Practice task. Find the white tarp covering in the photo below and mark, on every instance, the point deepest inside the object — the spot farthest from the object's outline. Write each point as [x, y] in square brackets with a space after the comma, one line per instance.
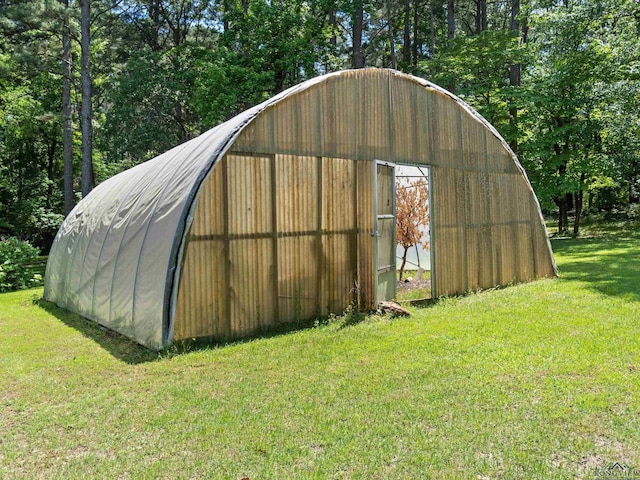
[114, 257]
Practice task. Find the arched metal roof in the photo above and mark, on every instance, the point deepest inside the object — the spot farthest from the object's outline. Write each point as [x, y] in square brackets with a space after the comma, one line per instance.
[114, 258]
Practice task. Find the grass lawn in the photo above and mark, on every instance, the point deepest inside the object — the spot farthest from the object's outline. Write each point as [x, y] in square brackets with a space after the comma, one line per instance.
[536, 381]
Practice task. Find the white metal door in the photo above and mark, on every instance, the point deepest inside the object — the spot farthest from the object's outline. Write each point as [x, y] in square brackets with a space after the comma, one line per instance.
[384, 205]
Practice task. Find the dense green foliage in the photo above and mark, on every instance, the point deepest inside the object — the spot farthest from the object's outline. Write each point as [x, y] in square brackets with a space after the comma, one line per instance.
[536, 381]
[16, 258]
[560, 79]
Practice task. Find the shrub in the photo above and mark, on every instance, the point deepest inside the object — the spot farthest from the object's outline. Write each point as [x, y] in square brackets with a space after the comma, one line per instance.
[15, 259]
[634, 211]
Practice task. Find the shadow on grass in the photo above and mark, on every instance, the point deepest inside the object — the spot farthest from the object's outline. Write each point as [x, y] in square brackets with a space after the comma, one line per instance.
[608, 265]
[133, 353]
[206, 343]
[117, 345]
[349, 318]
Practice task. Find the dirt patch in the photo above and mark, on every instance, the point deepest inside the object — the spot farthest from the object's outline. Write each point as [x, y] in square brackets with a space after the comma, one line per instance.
[405, 286]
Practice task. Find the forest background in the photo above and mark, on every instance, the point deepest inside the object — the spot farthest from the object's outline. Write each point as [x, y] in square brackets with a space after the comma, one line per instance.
[89, 88]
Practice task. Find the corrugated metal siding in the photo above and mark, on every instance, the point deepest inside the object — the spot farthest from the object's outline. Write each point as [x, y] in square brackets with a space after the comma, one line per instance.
[299, 244]
[304, 267]
[310, 155]
[340, 223]
[114, 258]
[202, 304]
[366, 274]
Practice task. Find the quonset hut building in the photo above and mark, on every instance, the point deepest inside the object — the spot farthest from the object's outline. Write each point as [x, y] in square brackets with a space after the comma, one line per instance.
[287, 212]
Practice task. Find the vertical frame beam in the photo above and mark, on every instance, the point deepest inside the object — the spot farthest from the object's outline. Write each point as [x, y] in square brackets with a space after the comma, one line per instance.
[319, 248]
[376, 233]
[353, 242]
[432, 253]
[274, 237]
[226, 316]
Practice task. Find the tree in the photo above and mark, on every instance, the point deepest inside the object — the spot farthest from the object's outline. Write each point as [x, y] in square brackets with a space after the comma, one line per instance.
[581, 50]
[515, 71]
[357, 27]
[87, 113]
[412, 215]
[67, 120]
[30, 133]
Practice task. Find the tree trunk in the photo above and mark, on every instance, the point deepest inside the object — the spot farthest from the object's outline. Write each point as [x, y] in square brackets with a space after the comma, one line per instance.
[514, 74]
[152, 34]
[414, 44]
[451, 31]
[406, 37]
[278, 81]
[634, 193]
[358, 24]
[481, 16]
[578, 205]
[451, 21]
[225, 16]
[432, 30]
[333, 23]
[67, 122]
[392, 42]
[404, 261]
[562, 214]
[85, 83]
[51, 162]
[514, 70]
[180, 120]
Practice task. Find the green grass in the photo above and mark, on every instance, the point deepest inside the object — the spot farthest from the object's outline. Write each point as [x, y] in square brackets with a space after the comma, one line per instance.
[536, 381]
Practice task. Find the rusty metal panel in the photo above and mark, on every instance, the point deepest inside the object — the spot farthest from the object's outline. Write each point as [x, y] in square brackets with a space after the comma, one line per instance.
[524, 253]
[449, 266]
[407, 138]
[374, 134]
[339, 221]
[249, 195]
[251, 262]
[296, 193]
[499, 159]
[446, 131]
[447, 215]
[201, 299]
[477, 184]
[479, 258]
[365, 246]
[482, 213]
[298, 228]
[504, 253]
[474, 138]
[338, 281]
[473, 237]
[251, 286]
[298, 296]
[337, 194]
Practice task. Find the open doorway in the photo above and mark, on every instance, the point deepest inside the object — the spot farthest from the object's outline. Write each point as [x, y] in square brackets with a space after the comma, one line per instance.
[413, 233]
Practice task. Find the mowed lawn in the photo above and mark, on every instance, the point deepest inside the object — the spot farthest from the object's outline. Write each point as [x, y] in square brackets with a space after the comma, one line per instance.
[535, 381]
